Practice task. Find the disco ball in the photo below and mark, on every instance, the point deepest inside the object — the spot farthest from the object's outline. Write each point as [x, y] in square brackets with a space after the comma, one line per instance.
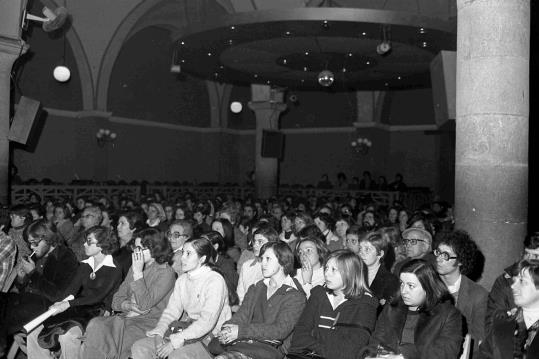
[326, 78]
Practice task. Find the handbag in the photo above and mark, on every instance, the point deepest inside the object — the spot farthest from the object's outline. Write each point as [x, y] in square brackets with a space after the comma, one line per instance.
[254, 348]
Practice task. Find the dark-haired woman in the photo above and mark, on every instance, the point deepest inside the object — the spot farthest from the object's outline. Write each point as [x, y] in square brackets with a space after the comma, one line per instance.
[128, 224]
[225, 228]
[225, 264]
[338, 319]
[269, 311]
[95, 282]
[200, 294]
[62, 220]
[423, 323]
[141, 299]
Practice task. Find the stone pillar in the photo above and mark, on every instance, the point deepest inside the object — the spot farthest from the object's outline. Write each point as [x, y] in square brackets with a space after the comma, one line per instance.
[267, 104]
[491, 159]
[10, 50]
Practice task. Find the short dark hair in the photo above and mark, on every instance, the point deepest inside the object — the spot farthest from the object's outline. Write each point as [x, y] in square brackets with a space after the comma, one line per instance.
[227, 229]
[357, 230]
[44, 230]
[327, 219]
[465, 248]
[532, 267]
[135, 220]
[157, 243]
[106, 239]
[63, 206]
[267, 232]
[284, 255]
[531, 241]
[21, 210]
[311, 231]
[435, 289]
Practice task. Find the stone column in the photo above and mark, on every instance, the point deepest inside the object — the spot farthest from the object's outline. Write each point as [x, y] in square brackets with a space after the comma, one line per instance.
[267, 104]
[10, 50]
[491, 160]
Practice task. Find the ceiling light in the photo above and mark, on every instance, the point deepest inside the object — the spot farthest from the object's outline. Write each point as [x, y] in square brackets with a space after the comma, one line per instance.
[364, 33]
[326, 78]
[232, 28]
[422, 30]
[236, 107]
[209, 53]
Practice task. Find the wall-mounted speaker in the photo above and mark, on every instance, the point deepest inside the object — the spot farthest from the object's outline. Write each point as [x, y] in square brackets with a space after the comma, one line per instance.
[443, 76]
[272, 144]
[24, 119]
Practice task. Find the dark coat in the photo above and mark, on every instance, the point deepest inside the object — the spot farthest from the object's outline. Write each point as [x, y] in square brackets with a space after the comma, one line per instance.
[499, 343]
[500, 297]
[472, 303]
[438, 334]
[334, 333]
[385, 285]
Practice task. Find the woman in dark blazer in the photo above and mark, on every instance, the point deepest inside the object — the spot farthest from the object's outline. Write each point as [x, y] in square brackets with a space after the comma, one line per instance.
[423, 323]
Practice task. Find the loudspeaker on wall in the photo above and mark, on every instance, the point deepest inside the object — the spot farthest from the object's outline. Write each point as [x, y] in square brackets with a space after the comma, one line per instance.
[272, 144]
[24, 120]
[443, 76]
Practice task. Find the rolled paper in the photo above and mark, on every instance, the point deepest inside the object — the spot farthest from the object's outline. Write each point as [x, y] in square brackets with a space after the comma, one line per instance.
[40, 319]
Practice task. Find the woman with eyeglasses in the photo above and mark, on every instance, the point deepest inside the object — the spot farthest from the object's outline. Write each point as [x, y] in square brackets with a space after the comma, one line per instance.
[312, 253]
[340, 317]
[139, 302]
[372, 251]
[93, 286]
[422, 322]
[199, 300]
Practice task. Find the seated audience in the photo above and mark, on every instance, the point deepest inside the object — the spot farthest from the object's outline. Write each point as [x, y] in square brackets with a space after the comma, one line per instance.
[251, 271]
[501, 295]
[354, 235]
[370, 220]
[128, 224]
[397, 248]
[326, 225]
[41, 280]
[301, 221]
[418, 243]
[93, 286]
[372, 251]
[403, 220]
[341, 226]
[225, 228]
[513, 332]
[422, 323]
[139, 301]
[339, 318]
[455, 256]
[179, 231]
[312, 253]
[200, 215]
[199, 300]
[269, 312]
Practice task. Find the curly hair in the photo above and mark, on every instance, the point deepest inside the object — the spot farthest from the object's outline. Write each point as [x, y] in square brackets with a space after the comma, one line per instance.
[106, 239]
[157, 243]
[44, 230]
[465, 248]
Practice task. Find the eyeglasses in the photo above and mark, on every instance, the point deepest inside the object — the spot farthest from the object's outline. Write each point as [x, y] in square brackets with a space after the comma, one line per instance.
[413, 241]
[176, 235]
[444, 255]
[89, 242]
[35, 243]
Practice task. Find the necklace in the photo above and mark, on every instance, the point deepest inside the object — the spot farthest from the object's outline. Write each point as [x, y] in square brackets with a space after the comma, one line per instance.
[92, 276]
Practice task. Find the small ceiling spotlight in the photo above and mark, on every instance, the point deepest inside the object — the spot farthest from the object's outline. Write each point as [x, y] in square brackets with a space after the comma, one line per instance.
[61, 73]
[326, 78]
[422, 30]
[325, 24]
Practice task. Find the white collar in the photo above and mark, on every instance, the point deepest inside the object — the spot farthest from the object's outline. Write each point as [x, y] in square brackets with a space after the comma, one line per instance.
[108, 262]
[332, 300]
[530, 316]
[155, 223]
[455, 287]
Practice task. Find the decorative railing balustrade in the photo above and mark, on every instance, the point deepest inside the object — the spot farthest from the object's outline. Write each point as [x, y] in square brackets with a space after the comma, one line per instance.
[21, 193]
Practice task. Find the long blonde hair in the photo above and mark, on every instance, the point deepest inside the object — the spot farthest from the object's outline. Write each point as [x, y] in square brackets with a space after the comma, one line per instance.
[353, 272]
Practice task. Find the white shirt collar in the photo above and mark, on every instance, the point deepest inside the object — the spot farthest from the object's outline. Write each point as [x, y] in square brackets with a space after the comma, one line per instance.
[288, 281]
[455, 287]
[530, 316]
[108, 262]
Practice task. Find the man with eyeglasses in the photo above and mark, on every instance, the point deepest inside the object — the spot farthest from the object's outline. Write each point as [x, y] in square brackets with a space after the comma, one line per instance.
[178, 233]
[456, 255]
[501, 295]
[418, 244]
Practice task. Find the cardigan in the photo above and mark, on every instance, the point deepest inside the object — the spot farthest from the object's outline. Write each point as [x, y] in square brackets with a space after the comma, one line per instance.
[334, 333]
[501, 295]
[385, 285]
[438, 333]
[202, 295]
[280, 315]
